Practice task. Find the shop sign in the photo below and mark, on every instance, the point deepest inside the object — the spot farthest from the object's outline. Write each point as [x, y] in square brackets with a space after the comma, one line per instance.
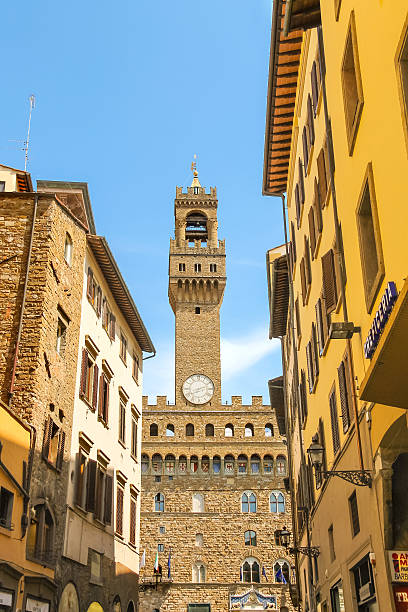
[6, 599]
[380, 319]
[399, 565]
[400, 598]
[34, 605]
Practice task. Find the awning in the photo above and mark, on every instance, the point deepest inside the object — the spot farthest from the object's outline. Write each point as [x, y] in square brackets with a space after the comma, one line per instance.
[278, 402]
[283, 77]
[386, 380]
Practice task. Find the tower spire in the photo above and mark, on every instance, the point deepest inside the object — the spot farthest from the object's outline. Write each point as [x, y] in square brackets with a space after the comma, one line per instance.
[196, 182]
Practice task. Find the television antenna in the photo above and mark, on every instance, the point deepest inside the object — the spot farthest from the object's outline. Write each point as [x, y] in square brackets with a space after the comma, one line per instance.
[27, 142]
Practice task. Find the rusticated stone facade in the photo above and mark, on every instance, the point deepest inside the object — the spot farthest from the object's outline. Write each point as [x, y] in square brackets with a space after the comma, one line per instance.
[44, 380]
[213, 475]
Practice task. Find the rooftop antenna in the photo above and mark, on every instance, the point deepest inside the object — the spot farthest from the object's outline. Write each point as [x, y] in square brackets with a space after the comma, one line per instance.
[27, 142]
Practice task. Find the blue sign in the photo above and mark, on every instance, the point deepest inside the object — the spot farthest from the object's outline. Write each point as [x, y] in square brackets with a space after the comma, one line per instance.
[380, 319]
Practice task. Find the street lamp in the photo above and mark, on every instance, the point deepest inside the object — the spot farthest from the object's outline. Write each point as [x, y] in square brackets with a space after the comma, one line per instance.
[361, 478]
[309, 551]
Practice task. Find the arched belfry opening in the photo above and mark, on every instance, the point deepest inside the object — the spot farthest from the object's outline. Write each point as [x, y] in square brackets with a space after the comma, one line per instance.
[196, 227]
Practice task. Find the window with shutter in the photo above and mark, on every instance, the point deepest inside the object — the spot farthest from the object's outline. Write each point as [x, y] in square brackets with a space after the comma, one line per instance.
[305, 147]
[112, 327]
[103, 406]
[308, 264]
[318, 210]
[47, 437]
[315, 353]
[297, 203]
[84, 372]
[329, 281]
[100, 493]
[297, 315]
[119, 510]
[322, 440]
[319, 325]
[344, 389]
[303, 280]
[95, 387]
[99, 302]
[61, 448]
[81, 460]
[304, 394]
[322, 177]
[334, 421]
[293, 240]
[351, 84]
[132, 530]
[310, 122]
[315, 88]
[89, 284]
[91, 486]
[108, 499]
[310, 371]
[355, 521]
[301, 182]
[312, 230]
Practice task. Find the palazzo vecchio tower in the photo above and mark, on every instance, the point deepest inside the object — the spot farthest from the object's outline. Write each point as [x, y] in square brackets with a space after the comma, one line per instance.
[213, 474]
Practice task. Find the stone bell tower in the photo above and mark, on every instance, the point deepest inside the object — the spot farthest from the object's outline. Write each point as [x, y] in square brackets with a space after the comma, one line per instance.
[196, 287]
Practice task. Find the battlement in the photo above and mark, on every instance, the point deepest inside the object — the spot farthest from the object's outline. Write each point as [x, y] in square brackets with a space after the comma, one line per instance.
[182, 195]
[188, 247]
[236, 402]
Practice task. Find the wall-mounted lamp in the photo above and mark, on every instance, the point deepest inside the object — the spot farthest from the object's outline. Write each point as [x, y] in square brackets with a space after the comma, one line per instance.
[309, 551]
[361, 478]
[341, 330]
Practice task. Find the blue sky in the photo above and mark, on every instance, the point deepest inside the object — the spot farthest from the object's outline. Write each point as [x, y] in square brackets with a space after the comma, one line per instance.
[126, 93]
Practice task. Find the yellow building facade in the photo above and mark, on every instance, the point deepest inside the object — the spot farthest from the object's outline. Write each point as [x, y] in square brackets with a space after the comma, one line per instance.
[23, 583]
[336, 151]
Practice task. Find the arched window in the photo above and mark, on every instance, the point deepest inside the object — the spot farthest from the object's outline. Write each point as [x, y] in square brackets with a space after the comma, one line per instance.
[249, 430]
[229, 464]
[170, 430]
[199, 572]
[159, 502]
[277, 502]
[268, 464]
[40, 542]
[68, 249]
[154, 430]
[205, 464]
[250, 570]
[255, 464]
[170, 464]
[242, 464]
[280, 465]
[216, 464]
[248, 502]
[199, 539]
[157, 464]
[182, 466]
[145, 464]
[116, 604]
[250, 538]
[190, 429]
[281, 571]
[229, 430]
[209, 430]
[198, 502]
[269, 430]
[193, 464]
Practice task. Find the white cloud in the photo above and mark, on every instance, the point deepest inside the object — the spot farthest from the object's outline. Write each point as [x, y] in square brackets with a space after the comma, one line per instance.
[243, 352]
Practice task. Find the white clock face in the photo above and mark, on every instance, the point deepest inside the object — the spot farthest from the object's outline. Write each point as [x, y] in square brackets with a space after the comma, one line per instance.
[198, 389]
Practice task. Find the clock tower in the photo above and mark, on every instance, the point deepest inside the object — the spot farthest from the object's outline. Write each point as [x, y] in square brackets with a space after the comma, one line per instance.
[196, 287]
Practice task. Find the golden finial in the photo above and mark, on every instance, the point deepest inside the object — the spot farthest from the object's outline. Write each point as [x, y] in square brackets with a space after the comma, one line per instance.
[194, 166]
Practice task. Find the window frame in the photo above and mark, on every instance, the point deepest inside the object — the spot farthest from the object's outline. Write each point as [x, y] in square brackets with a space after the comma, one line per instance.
[351, 123]
[368, 189]
[402, 83]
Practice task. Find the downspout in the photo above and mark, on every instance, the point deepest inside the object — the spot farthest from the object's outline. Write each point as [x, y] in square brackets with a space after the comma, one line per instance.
[20, 323]
[296, 380]
[339, 241]
[150, 356]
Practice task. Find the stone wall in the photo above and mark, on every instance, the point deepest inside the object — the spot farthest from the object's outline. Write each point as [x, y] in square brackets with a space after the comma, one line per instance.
[222, 523]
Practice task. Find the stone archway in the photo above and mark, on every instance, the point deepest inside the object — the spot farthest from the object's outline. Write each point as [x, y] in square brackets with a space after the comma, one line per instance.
[69, 601]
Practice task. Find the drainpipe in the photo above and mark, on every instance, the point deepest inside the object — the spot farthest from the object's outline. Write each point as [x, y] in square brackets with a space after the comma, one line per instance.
[150, 356]
[339, 241]
[312, 601]
[20, 323]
